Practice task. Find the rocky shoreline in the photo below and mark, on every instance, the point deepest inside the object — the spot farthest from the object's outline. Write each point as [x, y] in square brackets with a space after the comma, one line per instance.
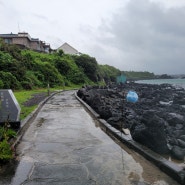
[157, 120]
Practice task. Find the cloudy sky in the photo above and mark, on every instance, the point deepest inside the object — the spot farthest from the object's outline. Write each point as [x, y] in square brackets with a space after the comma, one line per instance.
[138, 35]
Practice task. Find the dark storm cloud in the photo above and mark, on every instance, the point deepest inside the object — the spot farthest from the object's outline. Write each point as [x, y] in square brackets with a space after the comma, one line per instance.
[148, 36]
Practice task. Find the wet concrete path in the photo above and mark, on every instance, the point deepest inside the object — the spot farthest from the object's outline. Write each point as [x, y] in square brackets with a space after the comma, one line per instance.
[64, 146]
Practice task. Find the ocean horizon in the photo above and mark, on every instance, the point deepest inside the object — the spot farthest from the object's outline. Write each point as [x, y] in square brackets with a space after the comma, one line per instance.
[175, 82]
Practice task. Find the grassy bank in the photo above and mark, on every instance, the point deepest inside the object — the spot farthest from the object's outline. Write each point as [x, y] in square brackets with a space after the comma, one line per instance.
[24, 96]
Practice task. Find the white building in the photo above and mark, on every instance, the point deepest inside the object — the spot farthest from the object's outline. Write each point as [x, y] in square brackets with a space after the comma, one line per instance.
[67, 49]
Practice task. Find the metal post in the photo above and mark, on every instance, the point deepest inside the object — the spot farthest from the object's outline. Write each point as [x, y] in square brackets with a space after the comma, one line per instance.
[48, 90]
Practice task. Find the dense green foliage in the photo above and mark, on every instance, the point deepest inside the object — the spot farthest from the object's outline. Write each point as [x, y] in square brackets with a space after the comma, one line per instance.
[6, 153]
[89, 66]
[109, 73]
[26, 69]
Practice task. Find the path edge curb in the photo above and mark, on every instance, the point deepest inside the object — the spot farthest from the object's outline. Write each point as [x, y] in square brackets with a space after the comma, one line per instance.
[170, 168]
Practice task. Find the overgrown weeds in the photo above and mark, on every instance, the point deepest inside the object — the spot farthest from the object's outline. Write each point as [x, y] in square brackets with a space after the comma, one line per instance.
[6, 151]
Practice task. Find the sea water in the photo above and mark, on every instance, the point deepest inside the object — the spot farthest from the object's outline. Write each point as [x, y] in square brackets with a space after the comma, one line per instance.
[175, 82]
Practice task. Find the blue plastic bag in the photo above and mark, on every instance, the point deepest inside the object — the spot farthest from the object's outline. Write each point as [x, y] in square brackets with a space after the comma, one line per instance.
[132, 97]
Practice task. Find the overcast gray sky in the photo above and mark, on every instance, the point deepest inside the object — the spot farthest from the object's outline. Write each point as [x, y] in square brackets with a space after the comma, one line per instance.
[138, 35]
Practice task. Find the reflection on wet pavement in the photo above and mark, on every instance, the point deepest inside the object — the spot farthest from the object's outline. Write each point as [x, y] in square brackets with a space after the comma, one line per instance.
[63, 146]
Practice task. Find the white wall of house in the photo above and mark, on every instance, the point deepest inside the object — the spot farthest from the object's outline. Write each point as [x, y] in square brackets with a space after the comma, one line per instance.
[67, 49]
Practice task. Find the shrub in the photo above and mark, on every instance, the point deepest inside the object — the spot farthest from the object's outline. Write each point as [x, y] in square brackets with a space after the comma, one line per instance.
[1, 84]
[6, 133]
[9, 80]
[5, 151]
[30, 80]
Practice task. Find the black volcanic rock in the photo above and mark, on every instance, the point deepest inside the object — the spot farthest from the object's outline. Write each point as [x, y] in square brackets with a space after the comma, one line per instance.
[152, 133]
[157, 120]
[178, 152]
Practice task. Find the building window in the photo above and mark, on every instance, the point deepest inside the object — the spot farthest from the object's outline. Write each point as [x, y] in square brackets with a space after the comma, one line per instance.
[8, 41]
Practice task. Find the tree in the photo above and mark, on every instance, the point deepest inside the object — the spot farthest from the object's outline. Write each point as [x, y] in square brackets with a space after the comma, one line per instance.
[89, 65]
[108, 73]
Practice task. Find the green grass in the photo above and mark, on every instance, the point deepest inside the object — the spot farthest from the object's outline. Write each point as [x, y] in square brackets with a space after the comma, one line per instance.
[23, 96]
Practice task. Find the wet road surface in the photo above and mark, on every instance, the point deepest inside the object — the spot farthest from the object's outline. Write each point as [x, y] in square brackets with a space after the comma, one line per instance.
[64, 146]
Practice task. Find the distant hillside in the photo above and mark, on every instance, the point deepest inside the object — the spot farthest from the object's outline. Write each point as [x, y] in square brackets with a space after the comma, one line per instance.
[133, 75]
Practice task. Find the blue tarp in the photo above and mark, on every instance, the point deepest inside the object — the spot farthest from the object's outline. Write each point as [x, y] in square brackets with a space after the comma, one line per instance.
[121, 79]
